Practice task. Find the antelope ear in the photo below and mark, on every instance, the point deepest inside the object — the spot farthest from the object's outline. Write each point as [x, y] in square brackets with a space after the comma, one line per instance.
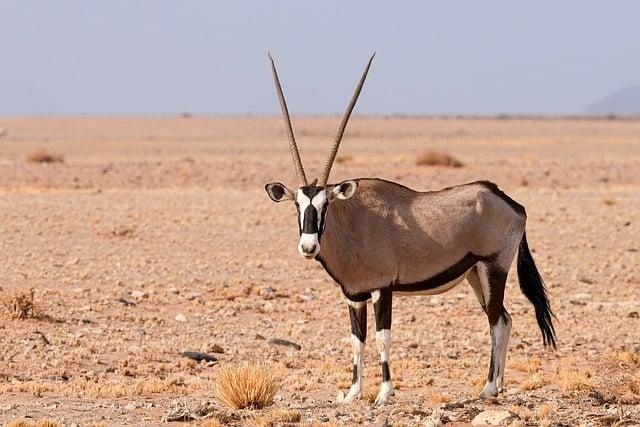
[279, 192]
[345, 190]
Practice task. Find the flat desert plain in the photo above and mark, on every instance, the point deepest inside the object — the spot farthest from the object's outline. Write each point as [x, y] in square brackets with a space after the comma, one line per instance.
[154, 236]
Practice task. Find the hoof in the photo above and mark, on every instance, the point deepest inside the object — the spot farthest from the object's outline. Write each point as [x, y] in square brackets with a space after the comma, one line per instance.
[386, 391]
[490, 390]
[350, 397]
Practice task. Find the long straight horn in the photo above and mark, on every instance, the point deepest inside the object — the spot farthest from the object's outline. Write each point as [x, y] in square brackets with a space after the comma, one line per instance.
[297, 162]
[343, 125]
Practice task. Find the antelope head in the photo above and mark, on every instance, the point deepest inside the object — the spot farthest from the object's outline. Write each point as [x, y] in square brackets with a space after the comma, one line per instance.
[312, 199]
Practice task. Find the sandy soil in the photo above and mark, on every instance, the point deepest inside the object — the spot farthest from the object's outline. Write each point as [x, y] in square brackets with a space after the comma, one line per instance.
[148, 219]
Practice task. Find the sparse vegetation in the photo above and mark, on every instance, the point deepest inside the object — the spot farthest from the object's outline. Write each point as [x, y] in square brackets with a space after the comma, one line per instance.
[250, 385]
[43, 156]
[534, 382]
[278, 417]
[19, 305]
[437, 158]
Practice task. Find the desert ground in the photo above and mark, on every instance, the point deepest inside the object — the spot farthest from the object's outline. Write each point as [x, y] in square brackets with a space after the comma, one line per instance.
[154, 236]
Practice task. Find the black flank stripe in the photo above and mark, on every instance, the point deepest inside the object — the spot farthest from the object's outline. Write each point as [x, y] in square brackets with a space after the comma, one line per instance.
[442, 278]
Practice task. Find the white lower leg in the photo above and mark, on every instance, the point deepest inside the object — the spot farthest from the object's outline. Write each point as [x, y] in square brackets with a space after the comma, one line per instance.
[355, 392]
[383, 342]
[499, 340]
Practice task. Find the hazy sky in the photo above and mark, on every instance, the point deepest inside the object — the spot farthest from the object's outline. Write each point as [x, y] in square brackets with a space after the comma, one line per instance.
[205, 57]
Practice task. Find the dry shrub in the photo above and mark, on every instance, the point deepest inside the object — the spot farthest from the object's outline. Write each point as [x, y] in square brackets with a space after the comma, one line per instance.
[534, 382]
[43, 156]
[48, 422]
[629, 357]
[278, 417]
[575, 381]
[18, 304]
[546, 409]
[249, 385]
[618, 381]
[436, 158]
[44, 422]
[211, 422]
[20, 423]
[609, 202]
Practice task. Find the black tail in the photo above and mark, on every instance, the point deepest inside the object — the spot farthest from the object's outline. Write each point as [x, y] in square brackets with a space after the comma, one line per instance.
[533, 288]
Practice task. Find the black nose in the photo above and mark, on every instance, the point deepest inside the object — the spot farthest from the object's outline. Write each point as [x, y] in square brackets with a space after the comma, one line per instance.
[311, 249]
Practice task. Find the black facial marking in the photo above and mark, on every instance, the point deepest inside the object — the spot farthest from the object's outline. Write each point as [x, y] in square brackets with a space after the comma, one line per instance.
[310, 215]
[386, 375]
[311, 191]
[310, 220]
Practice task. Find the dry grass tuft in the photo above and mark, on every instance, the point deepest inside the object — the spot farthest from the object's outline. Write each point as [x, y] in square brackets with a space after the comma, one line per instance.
[575, 381]
[48, 422]
[43, 156]
[44, 422]
[436, 158]
[211, 422]
[629, 357]
[20, 423]
[609, 202]
[19, 305]
[278, 417]
[250, 385]
[534, 382]
[546, 409]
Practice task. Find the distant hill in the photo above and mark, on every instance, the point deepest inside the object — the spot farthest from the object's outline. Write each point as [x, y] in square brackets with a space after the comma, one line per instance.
[623, 102]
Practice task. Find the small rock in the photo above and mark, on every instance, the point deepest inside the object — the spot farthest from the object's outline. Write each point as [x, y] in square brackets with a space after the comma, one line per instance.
[216, 349]
[138, 294]
[280, 341]
[259, 337]
[196, 355]
[192, 295]
[308, 298]
[181, 318]
[174, 290]
[494, 418]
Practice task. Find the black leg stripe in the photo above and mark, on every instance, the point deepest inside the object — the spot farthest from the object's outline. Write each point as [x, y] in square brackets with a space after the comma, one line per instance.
[355, 374]
[386, 374]
[358, 318]
[382, 309]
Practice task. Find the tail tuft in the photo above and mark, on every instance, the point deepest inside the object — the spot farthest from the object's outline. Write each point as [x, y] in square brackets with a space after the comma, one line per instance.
[533, 288]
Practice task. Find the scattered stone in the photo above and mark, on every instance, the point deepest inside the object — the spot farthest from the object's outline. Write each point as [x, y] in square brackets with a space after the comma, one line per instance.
[216, 349]
[139, 294]
[174, 290]
[196, 355]
[126, 303]
[181, 318]
[287, 343]
[308, 298]
[494, 418]
[259, 337]
[192, 295]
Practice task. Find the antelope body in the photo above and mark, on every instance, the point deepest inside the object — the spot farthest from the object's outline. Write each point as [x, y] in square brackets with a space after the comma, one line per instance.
[377, 239]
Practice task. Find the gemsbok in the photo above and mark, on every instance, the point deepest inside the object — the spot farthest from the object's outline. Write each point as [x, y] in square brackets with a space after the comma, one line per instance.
[377, 238]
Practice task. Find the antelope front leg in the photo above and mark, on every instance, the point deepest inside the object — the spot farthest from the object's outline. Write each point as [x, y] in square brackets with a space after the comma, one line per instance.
[358, 315]
[382, 306]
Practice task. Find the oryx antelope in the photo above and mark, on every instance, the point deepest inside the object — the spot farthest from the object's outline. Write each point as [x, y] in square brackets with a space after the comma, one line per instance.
[377, 238]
